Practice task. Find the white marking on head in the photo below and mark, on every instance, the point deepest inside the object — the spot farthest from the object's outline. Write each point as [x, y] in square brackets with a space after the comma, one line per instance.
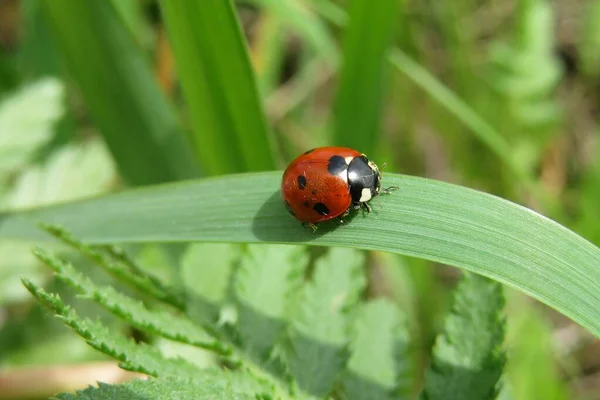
[348, 159]
[365, 195]
[373, 166]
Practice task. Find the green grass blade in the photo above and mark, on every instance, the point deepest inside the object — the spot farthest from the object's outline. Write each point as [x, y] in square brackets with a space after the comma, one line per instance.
[358, 103]
[425, 218]
[230, 129]
[138, 124]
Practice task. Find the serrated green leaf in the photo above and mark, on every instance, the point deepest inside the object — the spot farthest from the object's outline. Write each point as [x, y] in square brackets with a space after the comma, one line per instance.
[120, 92]
[121, 267]
[206, 385]
[267, 276]
[428, 219]
[159, 322]
[358, 103]
[320, 325]
[230, 129]
[133, 357]
[206, 269]
[371, 370]
[467, 357]
[26, 121]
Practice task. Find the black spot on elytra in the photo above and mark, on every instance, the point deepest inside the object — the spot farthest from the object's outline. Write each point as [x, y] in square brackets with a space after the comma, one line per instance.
[321, 208]
[301, 182]
[308, 151]
[337, 165]
[289, 208]
[314, 192]
[306, 204]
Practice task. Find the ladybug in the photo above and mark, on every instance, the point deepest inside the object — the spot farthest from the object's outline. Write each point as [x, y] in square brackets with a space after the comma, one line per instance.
[328, 182]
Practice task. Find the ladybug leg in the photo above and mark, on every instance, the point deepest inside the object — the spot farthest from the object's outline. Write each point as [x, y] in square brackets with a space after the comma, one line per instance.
[390, 189]
[344, 215]
[310, 225]
[366, 207]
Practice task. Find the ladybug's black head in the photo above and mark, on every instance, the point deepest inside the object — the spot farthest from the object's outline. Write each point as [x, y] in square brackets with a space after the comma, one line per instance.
[364, 179]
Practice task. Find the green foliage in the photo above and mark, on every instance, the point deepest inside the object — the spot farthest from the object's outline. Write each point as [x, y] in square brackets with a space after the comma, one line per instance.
[531, 342]
[249, 316]
[210, 386]
[26, 121]
[467, 357]
[320, 323]
[526, 72]
[425, 218]
[590, 40]
[357, 105]
[264, 302]
[230, 131]
[159, 322]
[133, 357]
[149, 145]
[374, 372]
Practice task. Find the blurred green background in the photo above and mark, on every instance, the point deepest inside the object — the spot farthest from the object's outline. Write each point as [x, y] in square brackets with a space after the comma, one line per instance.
[497, 95]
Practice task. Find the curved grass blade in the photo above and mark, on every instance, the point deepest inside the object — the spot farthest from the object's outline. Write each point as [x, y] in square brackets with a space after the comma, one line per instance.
[139, 125]
[230, 129]
[428, 219]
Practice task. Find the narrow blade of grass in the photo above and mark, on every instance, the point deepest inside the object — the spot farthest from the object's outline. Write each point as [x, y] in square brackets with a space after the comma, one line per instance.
[425, 218]
[115, 80]
[357, 107]
[230, 130]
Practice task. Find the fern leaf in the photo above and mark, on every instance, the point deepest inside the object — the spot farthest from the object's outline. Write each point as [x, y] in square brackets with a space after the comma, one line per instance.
[320, 327]
[144, 283]
[206, 385]
[133, 357]
[268, 274]
[467, 356]
[372, 370]
[526, 71]
[158, 322]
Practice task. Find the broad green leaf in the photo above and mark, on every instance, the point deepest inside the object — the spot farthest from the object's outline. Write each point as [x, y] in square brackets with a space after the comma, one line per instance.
[230, 129]
[320, 326]
[371, 370]
[26, 121]
[72, 172]
[428, 219]
[359, 99]
[468, 359]
[267, 277]
[133, 357]
[140, 127]
[205, 386]
[159, 322]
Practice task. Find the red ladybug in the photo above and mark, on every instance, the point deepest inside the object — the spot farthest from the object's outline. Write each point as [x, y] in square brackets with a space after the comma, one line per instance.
[327, 182]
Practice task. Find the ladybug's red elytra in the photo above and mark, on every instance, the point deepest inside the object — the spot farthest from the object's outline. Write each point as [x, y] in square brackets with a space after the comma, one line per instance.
[327, 182]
